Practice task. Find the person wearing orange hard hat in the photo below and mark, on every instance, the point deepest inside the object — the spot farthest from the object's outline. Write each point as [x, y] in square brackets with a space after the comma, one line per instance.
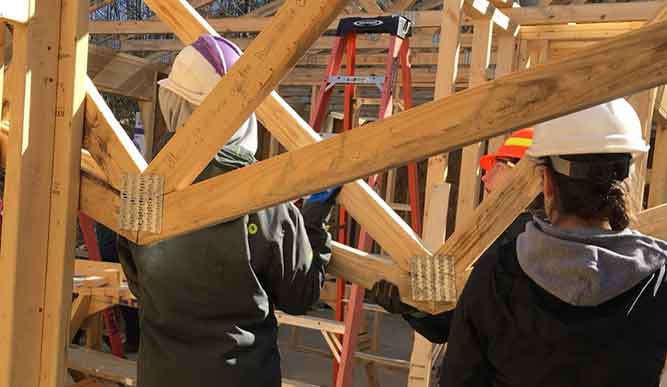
[496, 166]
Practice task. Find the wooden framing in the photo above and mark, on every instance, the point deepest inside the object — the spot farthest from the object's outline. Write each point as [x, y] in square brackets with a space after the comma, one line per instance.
[50, 91]
[43, 171]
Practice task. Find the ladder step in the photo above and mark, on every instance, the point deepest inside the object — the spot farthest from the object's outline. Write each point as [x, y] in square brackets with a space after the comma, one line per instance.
[356, 79]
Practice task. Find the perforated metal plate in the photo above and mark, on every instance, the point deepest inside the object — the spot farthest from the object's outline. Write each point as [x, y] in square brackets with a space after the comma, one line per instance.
[141, 199]
[432, 279]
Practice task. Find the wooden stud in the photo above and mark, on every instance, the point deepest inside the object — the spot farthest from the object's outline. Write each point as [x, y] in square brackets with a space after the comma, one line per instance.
[436, 206]
[66, 154]
[504, 65]
[658, 186]
[27, 198]
[107, 141]
[242, 89]
[469, 181]
[518, 100]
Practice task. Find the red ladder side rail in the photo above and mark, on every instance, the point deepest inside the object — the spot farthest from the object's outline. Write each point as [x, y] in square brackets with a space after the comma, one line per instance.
[413, 173]
[90, 239]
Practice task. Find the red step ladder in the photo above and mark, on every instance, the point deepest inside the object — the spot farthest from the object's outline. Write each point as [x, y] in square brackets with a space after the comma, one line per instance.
[90, 239]
[399, 29]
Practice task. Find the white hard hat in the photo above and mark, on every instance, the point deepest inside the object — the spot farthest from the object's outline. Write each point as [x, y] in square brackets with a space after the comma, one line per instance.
[198, 68]
[612, 127]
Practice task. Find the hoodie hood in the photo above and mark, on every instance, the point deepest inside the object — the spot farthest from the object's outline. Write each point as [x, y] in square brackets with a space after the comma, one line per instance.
[176, 110]
[587, 267]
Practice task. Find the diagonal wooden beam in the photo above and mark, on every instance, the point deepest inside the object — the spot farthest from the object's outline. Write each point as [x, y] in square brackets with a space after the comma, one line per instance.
[366, 269]
[401, 5]
[371, 6]
[270, 56]
[517, 100]
[382, 223]
[107, 141]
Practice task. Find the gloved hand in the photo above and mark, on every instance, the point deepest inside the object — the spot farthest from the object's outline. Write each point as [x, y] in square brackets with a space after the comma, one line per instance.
[387, 295]
[317, 208]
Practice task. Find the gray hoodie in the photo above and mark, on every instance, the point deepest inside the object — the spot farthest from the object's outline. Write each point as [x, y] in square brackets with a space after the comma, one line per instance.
[586, 267]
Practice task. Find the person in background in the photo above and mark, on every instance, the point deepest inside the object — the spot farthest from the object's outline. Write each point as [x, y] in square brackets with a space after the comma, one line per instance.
[208, 297]
[578, 299]
[496, 166]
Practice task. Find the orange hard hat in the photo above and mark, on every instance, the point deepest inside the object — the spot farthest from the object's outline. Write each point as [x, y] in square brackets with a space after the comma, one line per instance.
[514, 147]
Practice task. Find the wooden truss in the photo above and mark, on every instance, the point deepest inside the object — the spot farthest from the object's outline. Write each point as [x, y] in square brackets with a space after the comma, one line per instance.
[43, 169]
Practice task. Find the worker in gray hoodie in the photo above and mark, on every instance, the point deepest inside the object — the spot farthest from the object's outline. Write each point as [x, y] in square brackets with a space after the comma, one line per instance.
[578, 299]
[208, 297]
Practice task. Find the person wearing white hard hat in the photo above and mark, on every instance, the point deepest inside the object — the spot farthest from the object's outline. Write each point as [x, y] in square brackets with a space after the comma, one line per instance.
[578, 298]
[207, 298]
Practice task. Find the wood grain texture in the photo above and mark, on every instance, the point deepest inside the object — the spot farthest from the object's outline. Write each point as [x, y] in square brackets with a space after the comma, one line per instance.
[517, 100]
[107, 141]
[27, 198]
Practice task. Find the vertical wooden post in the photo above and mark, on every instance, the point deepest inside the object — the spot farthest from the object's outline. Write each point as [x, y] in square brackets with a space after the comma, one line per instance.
[658, 186]
[68, 137]
[149, 110]
[23, 258]
[437, 190]
[504, 65]
[469, 181]
[644, 104]
[49, 66]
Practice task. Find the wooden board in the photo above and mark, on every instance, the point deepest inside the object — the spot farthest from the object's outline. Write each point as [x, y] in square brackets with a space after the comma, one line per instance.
[470, 184]
[66, 154]
[251, 79]
[107, 141]
[27, 197]
[517, 100]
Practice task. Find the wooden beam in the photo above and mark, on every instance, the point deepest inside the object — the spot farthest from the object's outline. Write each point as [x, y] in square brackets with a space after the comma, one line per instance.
[518, 100]
[658, 187]
[526, 16]
[586, 13]
[66, 154]
[446, 75]
[366, 269]
[401, 5]
[79, 313]
[588, 31]
[389, 230]
[470, 185]
[121, 74]
[485, 9]
[504, 65]
[371, 6]
[653, 222]
[107, 141]
[491, 218]
[425, 38]
[28, 194]
[15, 11]
[249, 81]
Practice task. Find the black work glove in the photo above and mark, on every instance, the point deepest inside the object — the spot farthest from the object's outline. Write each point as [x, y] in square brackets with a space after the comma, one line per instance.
[387, 295]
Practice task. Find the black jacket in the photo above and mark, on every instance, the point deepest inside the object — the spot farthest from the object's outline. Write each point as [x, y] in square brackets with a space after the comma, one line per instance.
[435, 328]
[507, 331]
[207, 298]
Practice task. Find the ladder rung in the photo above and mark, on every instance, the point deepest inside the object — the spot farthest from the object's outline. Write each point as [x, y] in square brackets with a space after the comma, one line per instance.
[356, 79]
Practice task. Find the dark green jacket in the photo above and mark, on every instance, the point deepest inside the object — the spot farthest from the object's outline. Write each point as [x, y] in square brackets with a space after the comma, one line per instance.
[207, 298]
